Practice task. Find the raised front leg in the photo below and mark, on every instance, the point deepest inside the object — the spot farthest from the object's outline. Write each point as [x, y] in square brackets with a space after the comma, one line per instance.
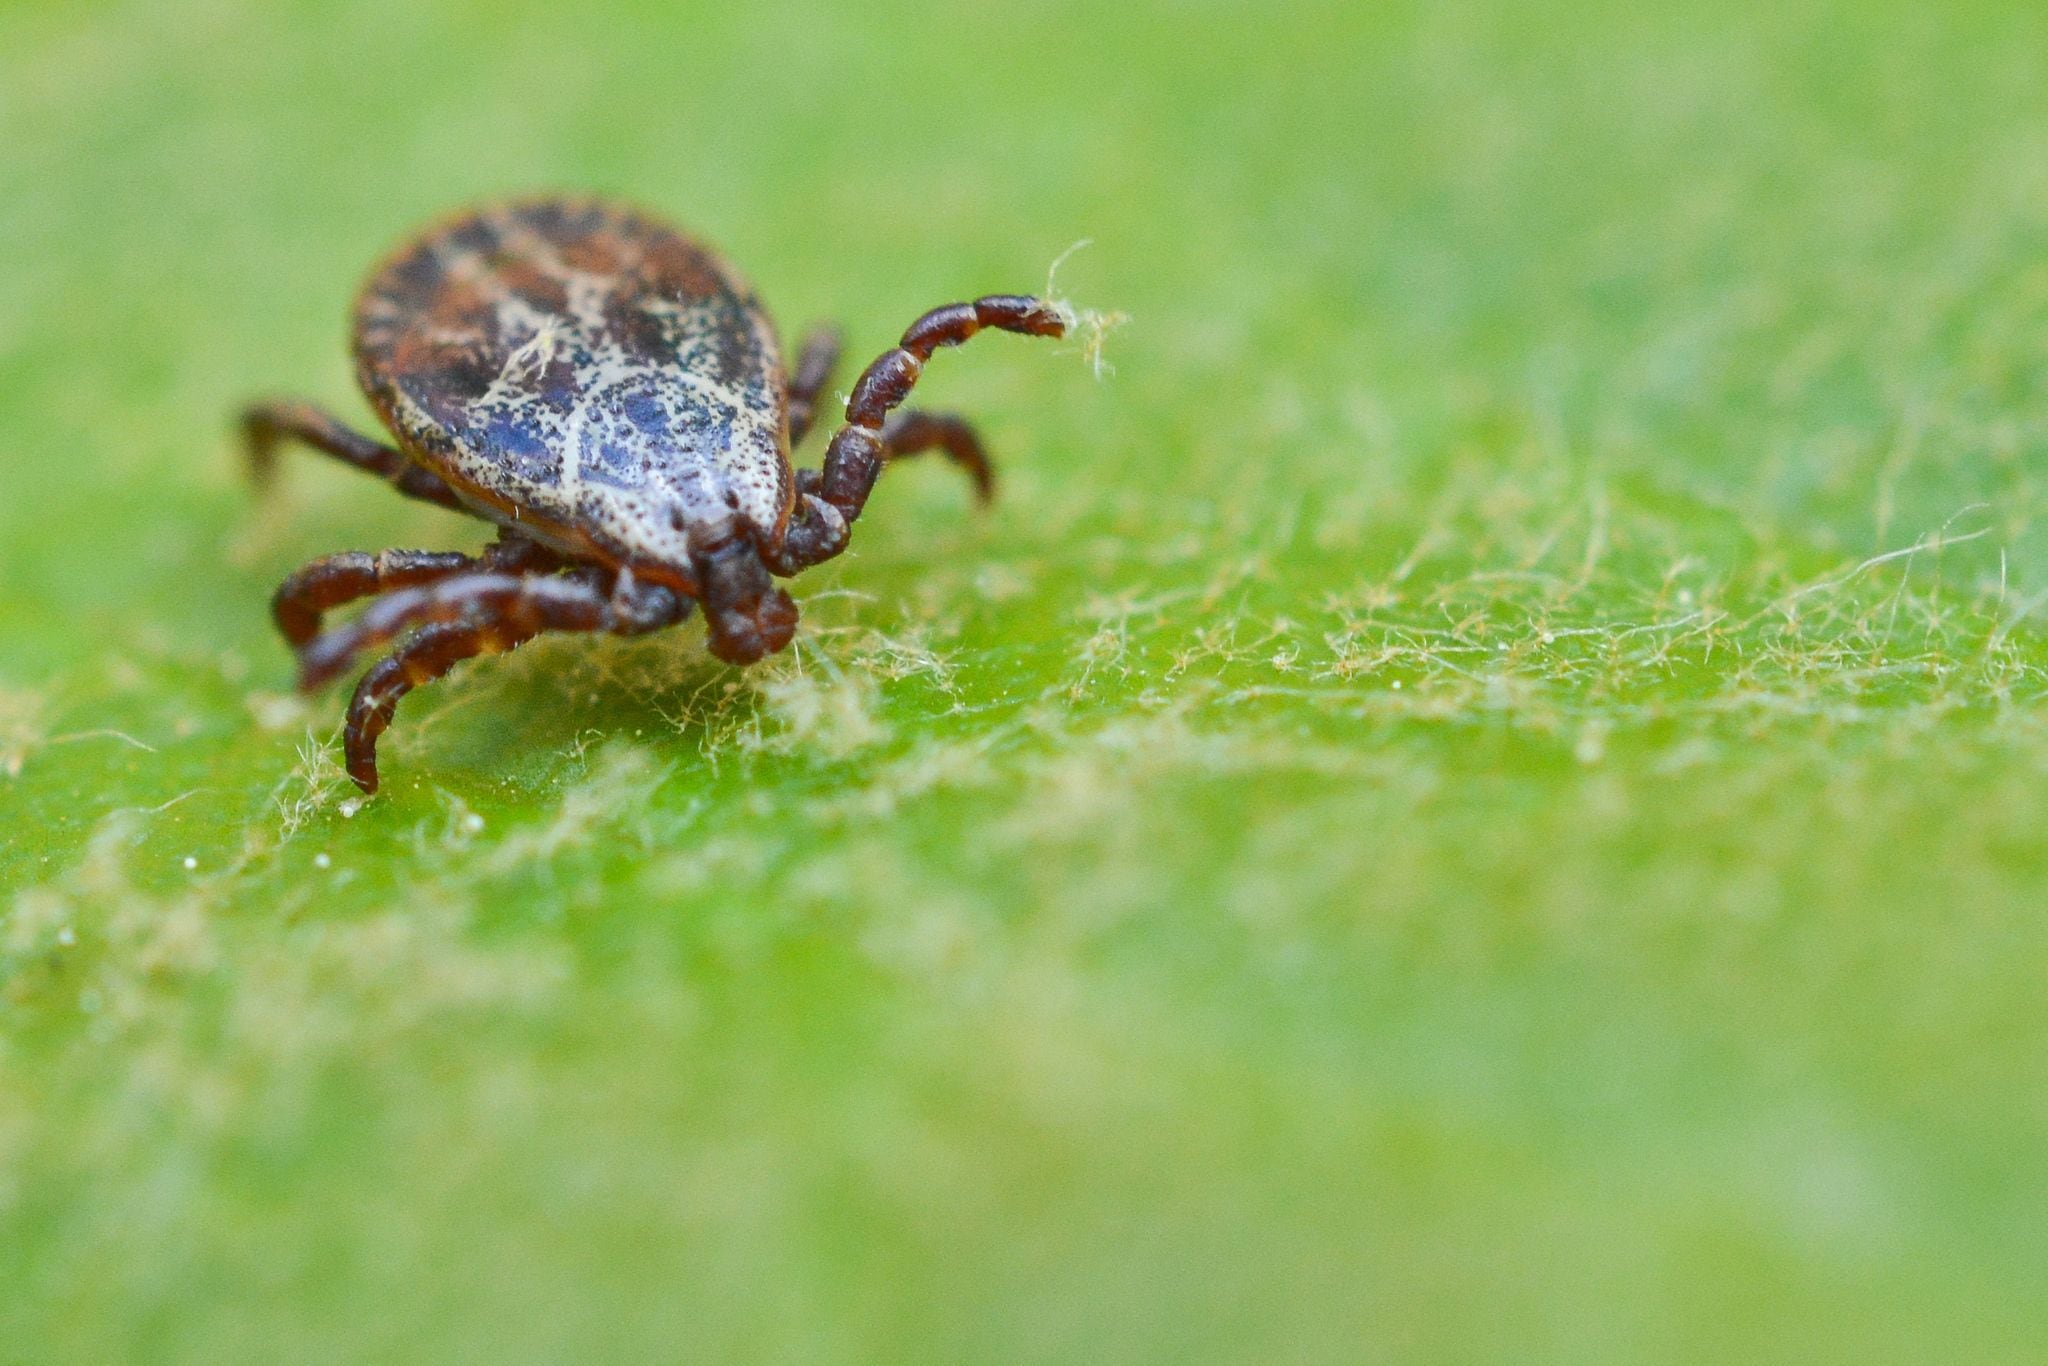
[303, 599]
[915, 431]
[854, 459]
[481, 614]
[264, 425]
[827, 508]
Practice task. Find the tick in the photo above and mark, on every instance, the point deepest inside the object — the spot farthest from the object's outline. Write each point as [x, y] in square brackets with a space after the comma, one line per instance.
[612, 395]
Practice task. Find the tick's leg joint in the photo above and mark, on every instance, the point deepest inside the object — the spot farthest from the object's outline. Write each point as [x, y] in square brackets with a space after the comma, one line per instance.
[816, 533]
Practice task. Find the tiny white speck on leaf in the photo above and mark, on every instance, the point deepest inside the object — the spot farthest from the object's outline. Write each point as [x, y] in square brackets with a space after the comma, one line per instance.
[472, 822]
[67, 936]
[190, 863]
[322, 861]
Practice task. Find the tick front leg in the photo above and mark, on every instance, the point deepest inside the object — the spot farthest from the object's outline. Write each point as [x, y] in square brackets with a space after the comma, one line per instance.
[265, 425]
[814, 367]
[303, 599]
[828, 506]
[854, 459]
[496, 613]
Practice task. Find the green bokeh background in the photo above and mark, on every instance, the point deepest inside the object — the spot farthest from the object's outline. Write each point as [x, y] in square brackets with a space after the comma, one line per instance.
[1483, 797]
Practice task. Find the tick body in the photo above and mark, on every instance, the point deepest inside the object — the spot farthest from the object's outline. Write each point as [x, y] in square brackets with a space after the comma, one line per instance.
[613, 397]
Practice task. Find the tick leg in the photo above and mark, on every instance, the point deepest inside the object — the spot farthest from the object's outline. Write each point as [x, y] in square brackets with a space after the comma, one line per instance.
[332, 580]
[814, 367]
[913, 432]
[500, 612]
[266, 424]
[424, 658]
[305, 597]
[583, 600]
[828, 506]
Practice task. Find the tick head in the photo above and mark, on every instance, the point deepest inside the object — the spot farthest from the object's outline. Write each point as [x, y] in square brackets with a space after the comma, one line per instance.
[750, 634]
[749, 617]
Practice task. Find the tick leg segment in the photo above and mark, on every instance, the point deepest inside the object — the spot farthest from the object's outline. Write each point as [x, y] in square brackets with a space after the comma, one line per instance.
[515, 605]
[329, 582]
[332, 580]
[424, 658]
[814, 367]
[817, 531]
[266, 424]
[827, 509]
[913, 432]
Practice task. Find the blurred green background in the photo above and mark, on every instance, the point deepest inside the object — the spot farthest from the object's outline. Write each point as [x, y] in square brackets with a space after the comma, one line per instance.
[1484, 797]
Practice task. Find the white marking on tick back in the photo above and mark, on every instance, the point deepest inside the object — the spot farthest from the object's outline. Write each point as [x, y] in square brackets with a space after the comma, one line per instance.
[527, 361]
[700, 479]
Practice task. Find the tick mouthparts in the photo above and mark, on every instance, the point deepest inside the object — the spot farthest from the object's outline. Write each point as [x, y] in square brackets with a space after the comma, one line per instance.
[752, 633]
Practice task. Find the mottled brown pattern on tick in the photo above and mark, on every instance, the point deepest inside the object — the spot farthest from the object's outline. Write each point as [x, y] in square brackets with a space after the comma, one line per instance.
[544, 357]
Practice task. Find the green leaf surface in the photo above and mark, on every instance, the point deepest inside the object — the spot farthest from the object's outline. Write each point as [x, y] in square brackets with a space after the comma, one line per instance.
[1481, 797]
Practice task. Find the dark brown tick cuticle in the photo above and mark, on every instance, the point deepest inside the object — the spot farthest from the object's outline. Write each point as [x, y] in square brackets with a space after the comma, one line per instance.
[611, 395]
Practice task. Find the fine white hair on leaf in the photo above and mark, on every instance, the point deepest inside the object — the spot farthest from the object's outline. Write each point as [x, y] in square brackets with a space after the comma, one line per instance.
[1085, 325]
[1052, 271]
